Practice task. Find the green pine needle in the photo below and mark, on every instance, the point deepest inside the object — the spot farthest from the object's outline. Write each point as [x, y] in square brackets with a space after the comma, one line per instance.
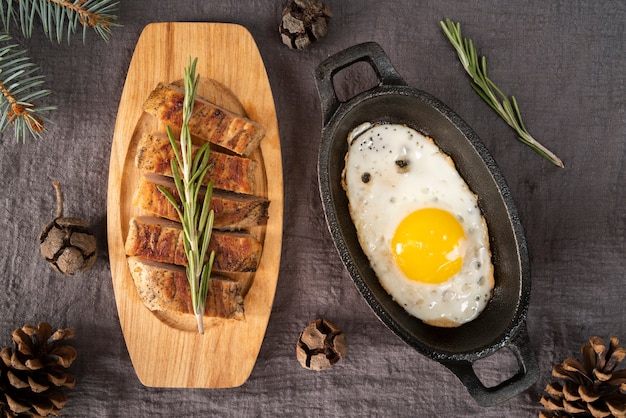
[61, 18]
[195, 214]
[20, 88]
[504, 106]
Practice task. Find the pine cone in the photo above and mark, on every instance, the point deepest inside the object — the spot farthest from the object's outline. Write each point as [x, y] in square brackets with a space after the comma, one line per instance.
[31, 372]
[592, 388]
[66, 243]
[320, 345]
[304, 22]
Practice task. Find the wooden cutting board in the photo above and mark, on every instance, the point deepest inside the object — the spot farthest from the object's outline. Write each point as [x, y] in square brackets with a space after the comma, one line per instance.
[166, 351]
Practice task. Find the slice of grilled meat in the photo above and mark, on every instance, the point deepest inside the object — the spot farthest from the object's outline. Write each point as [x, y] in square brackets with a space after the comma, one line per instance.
[233, 211]
[208, 121]
[161, 240]
[164, 287]
[228, 172]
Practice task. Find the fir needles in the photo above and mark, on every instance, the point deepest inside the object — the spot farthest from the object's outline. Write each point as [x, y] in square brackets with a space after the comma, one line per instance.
[21, 89]
[196, 218]
[503, 105]
[61, 18]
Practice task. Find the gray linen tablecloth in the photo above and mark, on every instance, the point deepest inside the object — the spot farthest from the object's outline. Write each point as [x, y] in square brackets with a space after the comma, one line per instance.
[563, 60]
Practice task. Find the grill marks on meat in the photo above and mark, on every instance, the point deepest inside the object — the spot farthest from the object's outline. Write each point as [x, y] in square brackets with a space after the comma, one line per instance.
[164, 287]
[228, 172]
[154, 245]
[232, 211]
[160, 240]
[208, 121]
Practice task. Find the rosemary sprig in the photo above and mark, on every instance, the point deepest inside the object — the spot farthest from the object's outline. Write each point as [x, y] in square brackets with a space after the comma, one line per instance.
[504, 106]
[195, 216]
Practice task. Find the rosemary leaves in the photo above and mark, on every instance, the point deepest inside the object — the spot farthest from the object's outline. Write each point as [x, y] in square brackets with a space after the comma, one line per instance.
[194, 212]
[504, 106]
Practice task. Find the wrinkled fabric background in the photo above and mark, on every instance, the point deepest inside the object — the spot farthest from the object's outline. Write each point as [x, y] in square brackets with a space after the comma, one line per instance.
[563, 60]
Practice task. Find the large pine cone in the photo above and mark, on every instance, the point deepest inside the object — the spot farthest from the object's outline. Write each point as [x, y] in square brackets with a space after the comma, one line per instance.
[592, 388]
[32, 372]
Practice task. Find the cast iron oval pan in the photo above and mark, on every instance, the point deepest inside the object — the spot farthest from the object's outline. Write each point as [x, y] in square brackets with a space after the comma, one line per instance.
[503, 322]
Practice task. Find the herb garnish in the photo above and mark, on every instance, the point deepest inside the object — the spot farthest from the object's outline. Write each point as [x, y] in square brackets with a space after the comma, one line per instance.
[194, 213]
[505, 107]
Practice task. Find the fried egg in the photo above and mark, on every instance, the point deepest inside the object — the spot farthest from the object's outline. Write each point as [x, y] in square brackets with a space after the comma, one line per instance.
[418, 223]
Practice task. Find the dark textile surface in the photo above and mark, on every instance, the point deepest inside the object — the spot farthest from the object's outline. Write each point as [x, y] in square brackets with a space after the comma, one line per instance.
[563, 60]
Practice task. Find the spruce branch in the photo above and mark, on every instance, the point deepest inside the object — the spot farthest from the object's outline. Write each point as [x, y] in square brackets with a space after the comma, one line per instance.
[61, 18]
[505, 107]
[21, 88]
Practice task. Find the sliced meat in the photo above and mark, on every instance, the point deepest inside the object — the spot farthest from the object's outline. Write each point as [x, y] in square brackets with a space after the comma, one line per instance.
[162, 240]
[164, 287]
[228, 172]
[232, 210]
[208, 121]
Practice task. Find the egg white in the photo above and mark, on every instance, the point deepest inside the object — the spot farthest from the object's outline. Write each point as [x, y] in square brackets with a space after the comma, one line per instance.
[392, 170]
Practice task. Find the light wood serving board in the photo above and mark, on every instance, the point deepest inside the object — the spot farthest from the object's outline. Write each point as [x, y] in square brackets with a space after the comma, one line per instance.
[165, 354]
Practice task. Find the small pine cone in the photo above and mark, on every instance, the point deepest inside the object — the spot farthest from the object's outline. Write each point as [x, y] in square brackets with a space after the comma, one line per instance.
[593, 388]
[32, 371]
[304, 22]
[66, 243]
[320, 345]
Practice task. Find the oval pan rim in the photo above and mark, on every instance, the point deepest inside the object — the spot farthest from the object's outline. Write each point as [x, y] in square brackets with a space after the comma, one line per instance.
[328, 202]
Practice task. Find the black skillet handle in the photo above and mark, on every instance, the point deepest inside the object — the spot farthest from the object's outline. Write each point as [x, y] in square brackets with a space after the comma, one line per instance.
[488, 396]
[369, 52]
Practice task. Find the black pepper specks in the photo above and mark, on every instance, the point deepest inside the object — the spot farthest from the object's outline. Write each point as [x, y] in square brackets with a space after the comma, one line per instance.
[366, 177]
[403, 165]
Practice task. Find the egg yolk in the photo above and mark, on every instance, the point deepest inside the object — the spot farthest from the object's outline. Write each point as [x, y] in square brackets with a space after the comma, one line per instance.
[428, 245]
